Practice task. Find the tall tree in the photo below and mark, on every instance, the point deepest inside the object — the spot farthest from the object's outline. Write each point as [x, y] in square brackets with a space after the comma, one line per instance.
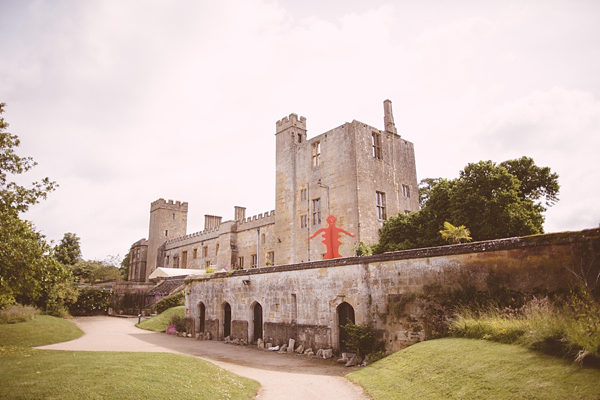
[68, 251]
[28, 272]
[125, 267]
[487, 197]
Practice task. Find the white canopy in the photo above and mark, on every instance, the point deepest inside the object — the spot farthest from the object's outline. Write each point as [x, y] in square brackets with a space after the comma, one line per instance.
[170, 272]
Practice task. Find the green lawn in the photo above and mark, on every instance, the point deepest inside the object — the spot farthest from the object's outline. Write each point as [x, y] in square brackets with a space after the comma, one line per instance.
[475, 369]
[40, 331]
[162, 320]
[26, 373]
[36, 374]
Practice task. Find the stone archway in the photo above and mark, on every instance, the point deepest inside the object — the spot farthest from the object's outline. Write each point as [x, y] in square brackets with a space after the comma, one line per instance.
[226, 320]
[201, 317]
[345, 313]
[257, 322]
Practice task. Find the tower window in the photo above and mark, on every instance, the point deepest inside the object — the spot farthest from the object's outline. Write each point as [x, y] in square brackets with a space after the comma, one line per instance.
[253, 263]
[299, 138]
[316, 216]
[380, 205]
[166, 232]
[406, 190]
[271, 258]
[377, 145]
[195, 254]
[316, 154]
[303, 194]
[303, 221]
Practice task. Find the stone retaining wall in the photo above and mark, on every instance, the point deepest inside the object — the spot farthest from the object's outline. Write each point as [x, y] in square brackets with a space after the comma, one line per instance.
[301, 301]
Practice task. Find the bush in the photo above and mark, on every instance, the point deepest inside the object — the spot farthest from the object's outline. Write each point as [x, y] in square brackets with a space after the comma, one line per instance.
[91, 301]
[18, 313]
[179, 322]
[174, 300]
[362, 339]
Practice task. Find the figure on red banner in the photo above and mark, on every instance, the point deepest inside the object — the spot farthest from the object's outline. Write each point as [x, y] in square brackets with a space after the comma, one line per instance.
[331, 238]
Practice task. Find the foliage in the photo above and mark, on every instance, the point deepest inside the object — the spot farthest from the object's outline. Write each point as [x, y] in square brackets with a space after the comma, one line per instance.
[129, 302]
[68, 251]
[51, 374]
[91, 301]
[28, 273]
[493, 200]
[173, 300]
[160, 322]
[179, 322]
[362, 339]
[363, 249]
[18, 313]
[40, 331]
[455, 234]
[15, 198]
[209, 270]
[94, 271]
[571, 329]
[125, 267]
[454, 368]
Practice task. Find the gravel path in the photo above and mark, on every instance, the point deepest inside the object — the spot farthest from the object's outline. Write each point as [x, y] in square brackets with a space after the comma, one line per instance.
[282, 376]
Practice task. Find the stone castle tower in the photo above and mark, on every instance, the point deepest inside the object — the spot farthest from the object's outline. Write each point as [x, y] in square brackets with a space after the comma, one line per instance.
[355, 172]
[168, 220]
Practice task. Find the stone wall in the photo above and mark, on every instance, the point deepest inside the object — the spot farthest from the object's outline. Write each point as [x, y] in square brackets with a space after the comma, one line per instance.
[301, 300]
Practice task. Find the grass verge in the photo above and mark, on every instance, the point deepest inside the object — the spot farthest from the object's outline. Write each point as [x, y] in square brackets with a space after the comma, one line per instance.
[40, 331]
[162, 320]
[474, 369]
[35, 374]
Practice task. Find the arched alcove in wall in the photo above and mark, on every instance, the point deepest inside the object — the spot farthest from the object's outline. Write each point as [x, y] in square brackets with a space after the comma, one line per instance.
[345, 314]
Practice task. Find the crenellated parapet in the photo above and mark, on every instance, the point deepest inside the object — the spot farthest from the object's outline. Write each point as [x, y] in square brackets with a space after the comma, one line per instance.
[200, 235]
[171, 205]
[258, 217]
[291, 121]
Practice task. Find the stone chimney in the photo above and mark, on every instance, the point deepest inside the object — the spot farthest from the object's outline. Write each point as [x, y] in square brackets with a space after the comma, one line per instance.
[388, 117]
[211, 221]
[240, 213]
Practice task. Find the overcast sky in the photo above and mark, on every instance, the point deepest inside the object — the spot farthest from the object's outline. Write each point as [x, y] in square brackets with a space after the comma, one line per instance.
[125, 102]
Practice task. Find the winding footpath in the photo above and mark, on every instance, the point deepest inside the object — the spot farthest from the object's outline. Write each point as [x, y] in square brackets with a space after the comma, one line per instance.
[282, 376]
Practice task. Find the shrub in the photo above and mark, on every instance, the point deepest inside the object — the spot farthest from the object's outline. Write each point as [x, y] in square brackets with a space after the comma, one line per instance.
[91, 301]
[178, 321]
[18, 313]
[173, 300]
[362, 339]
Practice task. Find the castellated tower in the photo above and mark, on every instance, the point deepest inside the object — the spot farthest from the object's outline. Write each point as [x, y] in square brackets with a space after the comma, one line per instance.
[290, 134]
[168, 220]
[359, 174]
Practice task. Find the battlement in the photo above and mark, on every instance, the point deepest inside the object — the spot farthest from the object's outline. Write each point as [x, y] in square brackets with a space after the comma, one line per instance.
[258, 217]
[192, 235]
[170, 205]
[288, 122]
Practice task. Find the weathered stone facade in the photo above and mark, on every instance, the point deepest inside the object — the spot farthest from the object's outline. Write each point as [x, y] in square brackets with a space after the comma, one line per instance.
[357, 173]
[303, 301]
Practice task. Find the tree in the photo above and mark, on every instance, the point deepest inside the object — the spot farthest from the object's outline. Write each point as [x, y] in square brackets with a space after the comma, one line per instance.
[28, 272]
[68, 251]
[93, 271]
[15, 198]
[489, 199]
[455, 234]
[125, 267]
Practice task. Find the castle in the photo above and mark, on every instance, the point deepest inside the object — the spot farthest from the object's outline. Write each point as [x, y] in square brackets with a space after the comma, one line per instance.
[355, 172]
